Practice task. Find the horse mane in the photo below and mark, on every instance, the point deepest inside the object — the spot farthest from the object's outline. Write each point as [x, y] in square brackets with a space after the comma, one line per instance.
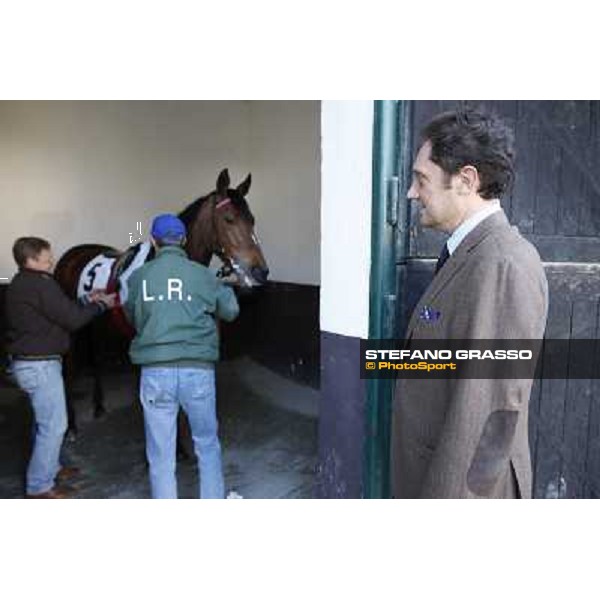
[189, 213]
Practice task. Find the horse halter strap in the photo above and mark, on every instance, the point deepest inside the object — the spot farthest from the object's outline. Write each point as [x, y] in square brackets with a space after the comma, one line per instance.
[227, 268]
[222, 203]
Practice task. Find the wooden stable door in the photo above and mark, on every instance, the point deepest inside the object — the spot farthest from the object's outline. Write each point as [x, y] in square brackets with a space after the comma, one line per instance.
[555, 203]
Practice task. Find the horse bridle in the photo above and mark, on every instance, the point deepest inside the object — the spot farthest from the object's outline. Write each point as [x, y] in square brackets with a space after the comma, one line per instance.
[227, 268]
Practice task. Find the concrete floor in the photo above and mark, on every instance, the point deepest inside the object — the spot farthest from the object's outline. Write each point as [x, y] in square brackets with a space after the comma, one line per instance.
[269, 447]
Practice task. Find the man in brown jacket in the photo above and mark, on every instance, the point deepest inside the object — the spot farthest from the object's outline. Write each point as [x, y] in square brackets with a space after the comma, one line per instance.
[40, 319]
[468, 438]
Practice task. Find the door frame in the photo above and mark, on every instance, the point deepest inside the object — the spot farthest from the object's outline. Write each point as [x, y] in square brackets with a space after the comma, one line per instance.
[392, 160]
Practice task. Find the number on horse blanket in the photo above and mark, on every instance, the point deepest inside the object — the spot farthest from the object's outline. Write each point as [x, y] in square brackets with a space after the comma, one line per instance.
[95, 275]
[99, 271]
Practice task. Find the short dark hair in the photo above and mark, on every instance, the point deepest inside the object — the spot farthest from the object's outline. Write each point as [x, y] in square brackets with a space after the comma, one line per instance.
[161, 243]
[469, 136]
[28, 247]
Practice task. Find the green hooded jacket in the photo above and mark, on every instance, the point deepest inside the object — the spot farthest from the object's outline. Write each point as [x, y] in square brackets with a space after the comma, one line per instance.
[173, 303]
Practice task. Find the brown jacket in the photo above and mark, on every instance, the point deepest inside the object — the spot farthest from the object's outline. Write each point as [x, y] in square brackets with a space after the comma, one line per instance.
[40, 315]
[468, 438]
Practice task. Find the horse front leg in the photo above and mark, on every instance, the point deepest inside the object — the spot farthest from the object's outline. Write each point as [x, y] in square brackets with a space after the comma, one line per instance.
[68, 377]
[98, 394]
[185, 444]
[95, 343]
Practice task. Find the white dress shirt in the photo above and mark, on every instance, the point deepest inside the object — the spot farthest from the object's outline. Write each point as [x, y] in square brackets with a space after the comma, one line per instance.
[459, 234]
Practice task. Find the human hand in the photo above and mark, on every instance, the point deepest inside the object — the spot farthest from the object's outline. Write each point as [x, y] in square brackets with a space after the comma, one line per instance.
[109, 300]
[95, 294]
[231, 280]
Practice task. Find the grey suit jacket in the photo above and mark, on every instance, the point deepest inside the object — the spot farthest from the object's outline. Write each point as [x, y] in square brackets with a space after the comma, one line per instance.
[468, 438]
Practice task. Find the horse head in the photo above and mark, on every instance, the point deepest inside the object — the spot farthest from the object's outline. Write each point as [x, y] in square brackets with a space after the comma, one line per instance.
[222, 224]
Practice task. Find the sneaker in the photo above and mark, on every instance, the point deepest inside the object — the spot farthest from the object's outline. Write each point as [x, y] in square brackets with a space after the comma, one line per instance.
[55, 493]
[67, 473]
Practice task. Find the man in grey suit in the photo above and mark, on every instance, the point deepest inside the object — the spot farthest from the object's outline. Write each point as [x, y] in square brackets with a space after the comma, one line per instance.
[468, 438]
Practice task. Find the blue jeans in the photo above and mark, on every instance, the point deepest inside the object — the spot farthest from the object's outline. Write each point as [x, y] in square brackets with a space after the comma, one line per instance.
[42, 381]
[162, 391]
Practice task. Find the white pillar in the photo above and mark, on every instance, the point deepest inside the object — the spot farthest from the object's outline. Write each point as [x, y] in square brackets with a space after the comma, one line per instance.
[346, 182]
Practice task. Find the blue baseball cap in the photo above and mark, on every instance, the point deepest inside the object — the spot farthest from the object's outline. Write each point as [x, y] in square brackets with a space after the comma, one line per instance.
[168, 228]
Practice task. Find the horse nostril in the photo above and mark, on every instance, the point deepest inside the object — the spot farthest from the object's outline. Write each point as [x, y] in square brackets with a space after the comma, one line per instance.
[260, 275]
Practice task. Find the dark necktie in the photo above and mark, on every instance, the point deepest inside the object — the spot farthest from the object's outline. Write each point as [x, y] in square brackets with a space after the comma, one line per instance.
[444, 256]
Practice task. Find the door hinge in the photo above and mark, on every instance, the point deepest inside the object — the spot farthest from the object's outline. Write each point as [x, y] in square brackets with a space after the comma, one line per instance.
[389, 316]
[392, 199]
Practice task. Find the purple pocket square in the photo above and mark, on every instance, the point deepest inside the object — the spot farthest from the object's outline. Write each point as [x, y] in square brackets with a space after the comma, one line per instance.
[429, 314]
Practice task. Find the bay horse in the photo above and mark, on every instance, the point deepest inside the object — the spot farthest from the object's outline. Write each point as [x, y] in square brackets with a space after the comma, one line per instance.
[219, 224]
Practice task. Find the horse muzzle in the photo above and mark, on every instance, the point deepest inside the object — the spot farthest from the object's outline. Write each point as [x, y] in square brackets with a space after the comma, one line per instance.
[260, 275]
[247, 277]
[250, 277]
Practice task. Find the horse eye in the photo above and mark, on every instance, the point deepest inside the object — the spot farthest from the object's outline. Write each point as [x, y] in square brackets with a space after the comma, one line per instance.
[229, 218]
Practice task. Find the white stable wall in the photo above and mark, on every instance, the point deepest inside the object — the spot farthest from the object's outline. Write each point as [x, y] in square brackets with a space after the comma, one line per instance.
[285, 156]
[79, 172]
[346, 183]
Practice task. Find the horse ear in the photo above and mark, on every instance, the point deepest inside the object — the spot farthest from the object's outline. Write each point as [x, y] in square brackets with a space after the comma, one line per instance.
[244, 187]
[223, 183]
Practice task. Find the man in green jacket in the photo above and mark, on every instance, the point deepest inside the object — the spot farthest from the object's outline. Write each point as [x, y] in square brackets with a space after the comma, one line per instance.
[174, 304]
